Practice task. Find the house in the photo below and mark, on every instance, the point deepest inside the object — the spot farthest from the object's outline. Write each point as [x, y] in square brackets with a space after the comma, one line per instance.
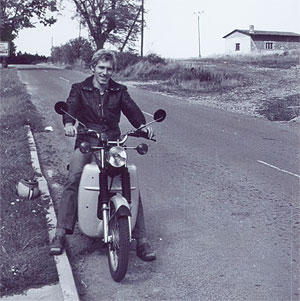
[247, 41]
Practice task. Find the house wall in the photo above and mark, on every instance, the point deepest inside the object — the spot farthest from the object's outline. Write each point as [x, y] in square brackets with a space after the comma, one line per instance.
[237, 37]
[279, 43]
[261, 45]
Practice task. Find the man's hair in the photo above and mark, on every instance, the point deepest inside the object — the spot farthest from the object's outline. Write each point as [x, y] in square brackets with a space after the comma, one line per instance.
[103, 55]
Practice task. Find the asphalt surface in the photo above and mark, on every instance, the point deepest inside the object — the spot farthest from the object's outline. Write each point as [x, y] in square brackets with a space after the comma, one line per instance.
[221, 200]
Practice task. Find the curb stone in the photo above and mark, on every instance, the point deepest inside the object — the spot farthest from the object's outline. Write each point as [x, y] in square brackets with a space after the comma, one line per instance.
[66, 279]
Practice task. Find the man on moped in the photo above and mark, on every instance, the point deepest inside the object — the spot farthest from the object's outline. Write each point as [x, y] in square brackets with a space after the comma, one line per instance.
[97, 102]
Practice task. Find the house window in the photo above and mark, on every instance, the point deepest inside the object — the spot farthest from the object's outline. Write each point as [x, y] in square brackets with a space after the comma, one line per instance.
[269, 46]
[237, 47]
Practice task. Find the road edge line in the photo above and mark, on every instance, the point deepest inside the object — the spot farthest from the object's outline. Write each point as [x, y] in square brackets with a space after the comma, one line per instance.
[279, 169]
[65, 274]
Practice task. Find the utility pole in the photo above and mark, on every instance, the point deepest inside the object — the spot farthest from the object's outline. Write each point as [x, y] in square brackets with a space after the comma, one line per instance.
[79, 33]
[198, 15]
[142, 31]
[130, 30]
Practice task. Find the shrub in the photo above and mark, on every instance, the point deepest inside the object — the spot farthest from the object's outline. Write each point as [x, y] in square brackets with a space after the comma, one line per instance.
[153, 58]
[126, 59]
[199, 73]
[277, 109]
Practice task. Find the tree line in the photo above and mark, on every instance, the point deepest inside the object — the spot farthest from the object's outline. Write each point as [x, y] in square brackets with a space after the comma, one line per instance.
[114, 22]
[79, 51]
[26, 58]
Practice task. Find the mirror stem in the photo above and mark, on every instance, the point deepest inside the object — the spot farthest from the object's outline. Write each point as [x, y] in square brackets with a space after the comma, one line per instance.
[76, 120]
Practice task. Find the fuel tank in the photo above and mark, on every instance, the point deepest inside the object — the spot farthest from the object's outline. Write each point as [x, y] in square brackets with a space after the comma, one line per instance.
[88, 193]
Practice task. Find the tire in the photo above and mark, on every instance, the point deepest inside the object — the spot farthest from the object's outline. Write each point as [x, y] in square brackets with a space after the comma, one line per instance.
[118, 248]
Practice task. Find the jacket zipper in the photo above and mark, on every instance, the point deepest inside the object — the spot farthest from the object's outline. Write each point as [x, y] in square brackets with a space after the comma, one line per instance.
[101, 96]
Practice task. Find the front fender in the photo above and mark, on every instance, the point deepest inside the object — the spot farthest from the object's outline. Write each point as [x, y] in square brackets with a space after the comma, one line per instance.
[121, 205]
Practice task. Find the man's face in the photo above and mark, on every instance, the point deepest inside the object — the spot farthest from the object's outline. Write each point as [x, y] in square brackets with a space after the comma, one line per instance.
[103, 71]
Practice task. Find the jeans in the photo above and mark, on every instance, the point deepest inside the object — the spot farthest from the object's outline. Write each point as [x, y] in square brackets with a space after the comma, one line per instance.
[67, 209]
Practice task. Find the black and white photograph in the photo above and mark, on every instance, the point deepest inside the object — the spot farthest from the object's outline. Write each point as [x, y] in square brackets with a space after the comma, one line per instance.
[150, 150]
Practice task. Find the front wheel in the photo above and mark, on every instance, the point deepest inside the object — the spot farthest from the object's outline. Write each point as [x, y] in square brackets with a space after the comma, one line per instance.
[118, 247]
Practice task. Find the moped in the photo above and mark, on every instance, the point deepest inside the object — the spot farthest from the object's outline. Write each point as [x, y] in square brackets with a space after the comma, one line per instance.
[108, 194]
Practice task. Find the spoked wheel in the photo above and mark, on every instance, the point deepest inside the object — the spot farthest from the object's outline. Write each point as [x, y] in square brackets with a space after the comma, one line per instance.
[118, 248]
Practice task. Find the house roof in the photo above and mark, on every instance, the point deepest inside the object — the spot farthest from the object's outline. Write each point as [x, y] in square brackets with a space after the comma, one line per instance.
[264, 33]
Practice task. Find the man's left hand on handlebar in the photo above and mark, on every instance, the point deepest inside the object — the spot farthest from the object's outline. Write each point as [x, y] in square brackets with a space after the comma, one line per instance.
[148, 130]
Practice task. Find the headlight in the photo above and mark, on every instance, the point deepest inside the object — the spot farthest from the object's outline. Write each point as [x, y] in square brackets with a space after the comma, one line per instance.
[116, 156]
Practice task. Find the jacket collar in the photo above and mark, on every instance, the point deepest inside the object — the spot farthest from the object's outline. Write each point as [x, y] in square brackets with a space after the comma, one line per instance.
[88, 85]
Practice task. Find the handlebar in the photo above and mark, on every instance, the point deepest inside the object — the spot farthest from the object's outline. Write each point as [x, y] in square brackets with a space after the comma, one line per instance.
[136, 133]
[61, 108]
[140, 134]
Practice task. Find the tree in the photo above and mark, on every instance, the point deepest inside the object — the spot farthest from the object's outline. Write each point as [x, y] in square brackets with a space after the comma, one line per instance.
[113, 21]
[18, 14]
[75, 51]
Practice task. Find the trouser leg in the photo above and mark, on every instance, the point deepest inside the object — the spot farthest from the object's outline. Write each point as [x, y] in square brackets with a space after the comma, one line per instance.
[139, 230]
[67, 209]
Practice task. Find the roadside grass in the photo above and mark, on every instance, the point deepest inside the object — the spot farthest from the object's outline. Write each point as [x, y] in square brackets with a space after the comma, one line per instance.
[25, 261]
[188, 75]
[217, 74]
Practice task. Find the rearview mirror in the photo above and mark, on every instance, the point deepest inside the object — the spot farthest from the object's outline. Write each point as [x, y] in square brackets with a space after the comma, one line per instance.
[142, 149]
[160, 115]
[61, 108]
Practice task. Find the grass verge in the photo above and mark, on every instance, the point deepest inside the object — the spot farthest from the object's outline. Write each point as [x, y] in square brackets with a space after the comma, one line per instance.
[25, 261]
[180, 75]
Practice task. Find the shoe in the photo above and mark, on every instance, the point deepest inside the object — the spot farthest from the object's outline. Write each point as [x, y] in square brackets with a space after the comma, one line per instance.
[57, 245]
[145, 253]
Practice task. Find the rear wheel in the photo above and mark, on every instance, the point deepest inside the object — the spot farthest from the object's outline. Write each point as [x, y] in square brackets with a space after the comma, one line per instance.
[118, 248]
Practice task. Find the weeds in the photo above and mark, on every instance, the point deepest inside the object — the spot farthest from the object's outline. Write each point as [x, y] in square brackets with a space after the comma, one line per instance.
[216, 76]
[187, 76]
[25, 261]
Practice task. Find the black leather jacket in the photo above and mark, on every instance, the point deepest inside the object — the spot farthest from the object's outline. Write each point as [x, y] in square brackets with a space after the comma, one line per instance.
[102, 112]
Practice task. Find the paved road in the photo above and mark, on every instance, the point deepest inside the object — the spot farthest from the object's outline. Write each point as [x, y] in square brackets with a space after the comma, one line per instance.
[221, 198]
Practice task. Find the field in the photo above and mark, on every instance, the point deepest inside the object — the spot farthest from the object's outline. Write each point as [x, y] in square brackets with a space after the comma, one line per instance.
[260, 85]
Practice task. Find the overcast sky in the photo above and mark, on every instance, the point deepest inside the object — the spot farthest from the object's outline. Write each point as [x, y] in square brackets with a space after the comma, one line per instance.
[172, 25]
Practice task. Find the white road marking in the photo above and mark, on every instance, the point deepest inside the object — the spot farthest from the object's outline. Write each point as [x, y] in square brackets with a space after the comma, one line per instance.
[64, 79]
[45, 70]
[277, 168]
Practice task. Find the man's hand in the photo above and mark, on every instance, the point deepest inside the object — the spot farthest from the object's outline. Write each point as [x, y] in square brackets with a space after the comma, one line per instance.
[70, 130]
[149, 130]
